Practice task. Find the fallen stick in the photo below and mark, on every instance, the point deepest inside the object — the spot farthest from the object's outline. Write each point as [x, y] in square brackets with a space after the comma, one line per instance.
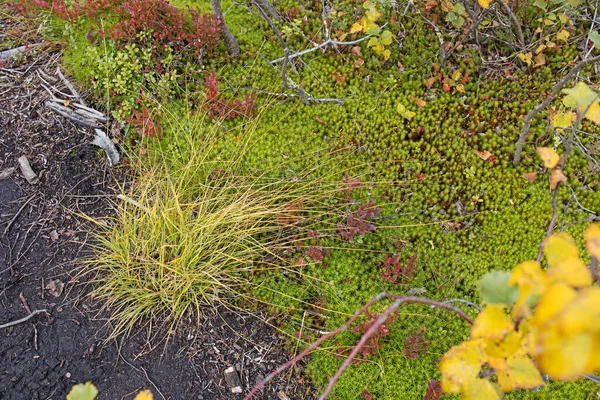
[27, 171]
[12, 221]
[17, 51]
[24, 319]
[71, 115]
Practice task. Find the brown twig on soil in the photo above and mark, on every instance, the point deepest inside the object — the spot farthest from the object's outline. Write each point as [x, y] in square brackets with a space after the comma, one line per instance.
[24, 319]
[553, 93]
[398, 300]
[12, 221]
[24, 302]
[514, 22]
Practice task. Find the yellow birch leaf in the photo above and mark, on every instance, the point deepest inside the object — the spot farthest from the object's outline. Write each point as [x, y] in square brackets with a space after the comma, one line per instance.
[484, 3]
[526, 58]
[548, 156]
[540, 60]
[560, 247]
[540, 48]
[357, 26]
[531, 281]
[519, 373]
[567, 357]
[562, 35]
[460, 88]
[571, 271]
[582, 314]
[492, 323]
[144, 395]
[564, 120]
[593, 113]
[502, 349]
[460, 365]
[386, 54]
[83, 391]
[481, 389]
[592, 240]
[554, 300]
[404, 112]
[456, 75]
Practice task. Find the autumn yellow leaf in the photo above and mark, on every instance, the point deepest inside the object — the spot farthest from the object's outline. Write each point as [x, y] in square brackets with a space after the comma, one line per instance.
[560, 247]
[456, 75]
[499, 350]
[429, 82]
[461, 364]
[526, 57]
[548, 156]
[518, 372]
[567, 357]
[540, 60]
[492, 323]
[562, 35]
[531, 281]
[484, 3]
[357, 26]
[564, 120]
[571, 271]
[593, 113]
[481, 389]
[420, 102]
[460, 88]
[581, 314]
[592, 240]
[552, 303]
[144, 395]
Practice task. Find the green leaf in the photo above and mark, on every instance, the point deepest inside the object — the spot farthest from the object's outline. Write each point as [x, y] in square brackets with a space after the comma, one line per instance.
[455, 19]
[404, 112]
[494, 288]
[540, 4]
[579, 96]
[574, 3]
[595, 38]
[374, 31]
[386, 38]
[458, 9]
[82, 391]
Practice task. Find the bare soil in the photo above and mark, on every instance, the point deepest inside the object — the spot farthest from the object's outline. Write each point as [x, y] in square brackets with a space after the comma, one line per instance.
[42, 238]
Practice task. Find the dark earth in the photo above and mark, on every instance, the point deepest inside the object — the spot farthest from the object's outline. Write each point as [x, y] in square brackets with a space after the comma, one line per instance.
[42, 237]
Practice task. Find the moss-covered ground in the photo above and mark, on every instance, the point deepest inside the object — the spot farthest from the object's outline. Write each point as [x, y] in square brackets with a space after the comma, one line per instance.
[461, 215]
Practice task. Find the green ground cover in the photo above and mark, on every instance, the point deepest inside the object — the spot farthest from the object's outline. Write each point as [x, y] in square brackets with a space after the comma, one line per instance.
[446, 211]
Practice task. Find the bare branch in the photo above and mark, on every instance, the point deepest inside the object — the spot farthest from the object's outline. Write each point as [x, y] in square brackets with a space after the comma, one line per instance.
[233, 48]
[557, 87]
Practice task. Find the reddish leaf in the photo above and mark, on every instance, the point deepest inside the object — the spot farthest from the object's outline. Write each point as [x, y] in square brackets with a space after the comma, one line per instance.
[366, 395]
[530, 176]
[416, 345]
[434, 390]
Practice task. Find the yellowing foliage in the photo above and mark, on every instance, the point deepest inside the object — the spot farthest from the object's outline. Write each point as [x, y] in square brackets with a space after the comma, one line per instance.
[553, 327]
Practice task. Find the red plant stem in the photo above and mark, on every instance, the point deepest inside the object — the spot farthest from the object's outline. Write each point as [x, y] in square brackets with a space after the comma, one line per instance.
[363, 340]
[399, 300]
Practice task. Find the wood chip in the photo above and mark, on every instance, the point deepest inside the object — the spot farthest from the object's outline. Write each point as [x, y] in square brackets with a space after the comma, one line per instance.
[233, 380]
[26, 170]
[6, 173]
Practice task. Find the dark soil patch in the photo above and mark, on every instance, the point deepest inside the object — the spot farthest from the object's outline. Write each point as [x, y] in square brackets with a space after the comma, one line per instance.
[45, 356]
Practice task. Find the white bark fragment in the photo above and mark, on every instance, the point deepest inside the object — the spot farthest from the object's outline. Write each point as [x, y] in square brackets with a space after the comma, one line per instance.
[102, 140]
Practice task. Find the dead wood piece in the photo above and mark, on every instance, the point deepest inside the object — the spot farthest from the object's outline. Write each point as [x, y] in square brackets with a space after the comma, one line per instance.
[282, 396]
[233, 380]
[87, 114]
[71, 115]
[17, 51]
[98, 114]
[102, 140]
[6, 173]
[27, 171]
